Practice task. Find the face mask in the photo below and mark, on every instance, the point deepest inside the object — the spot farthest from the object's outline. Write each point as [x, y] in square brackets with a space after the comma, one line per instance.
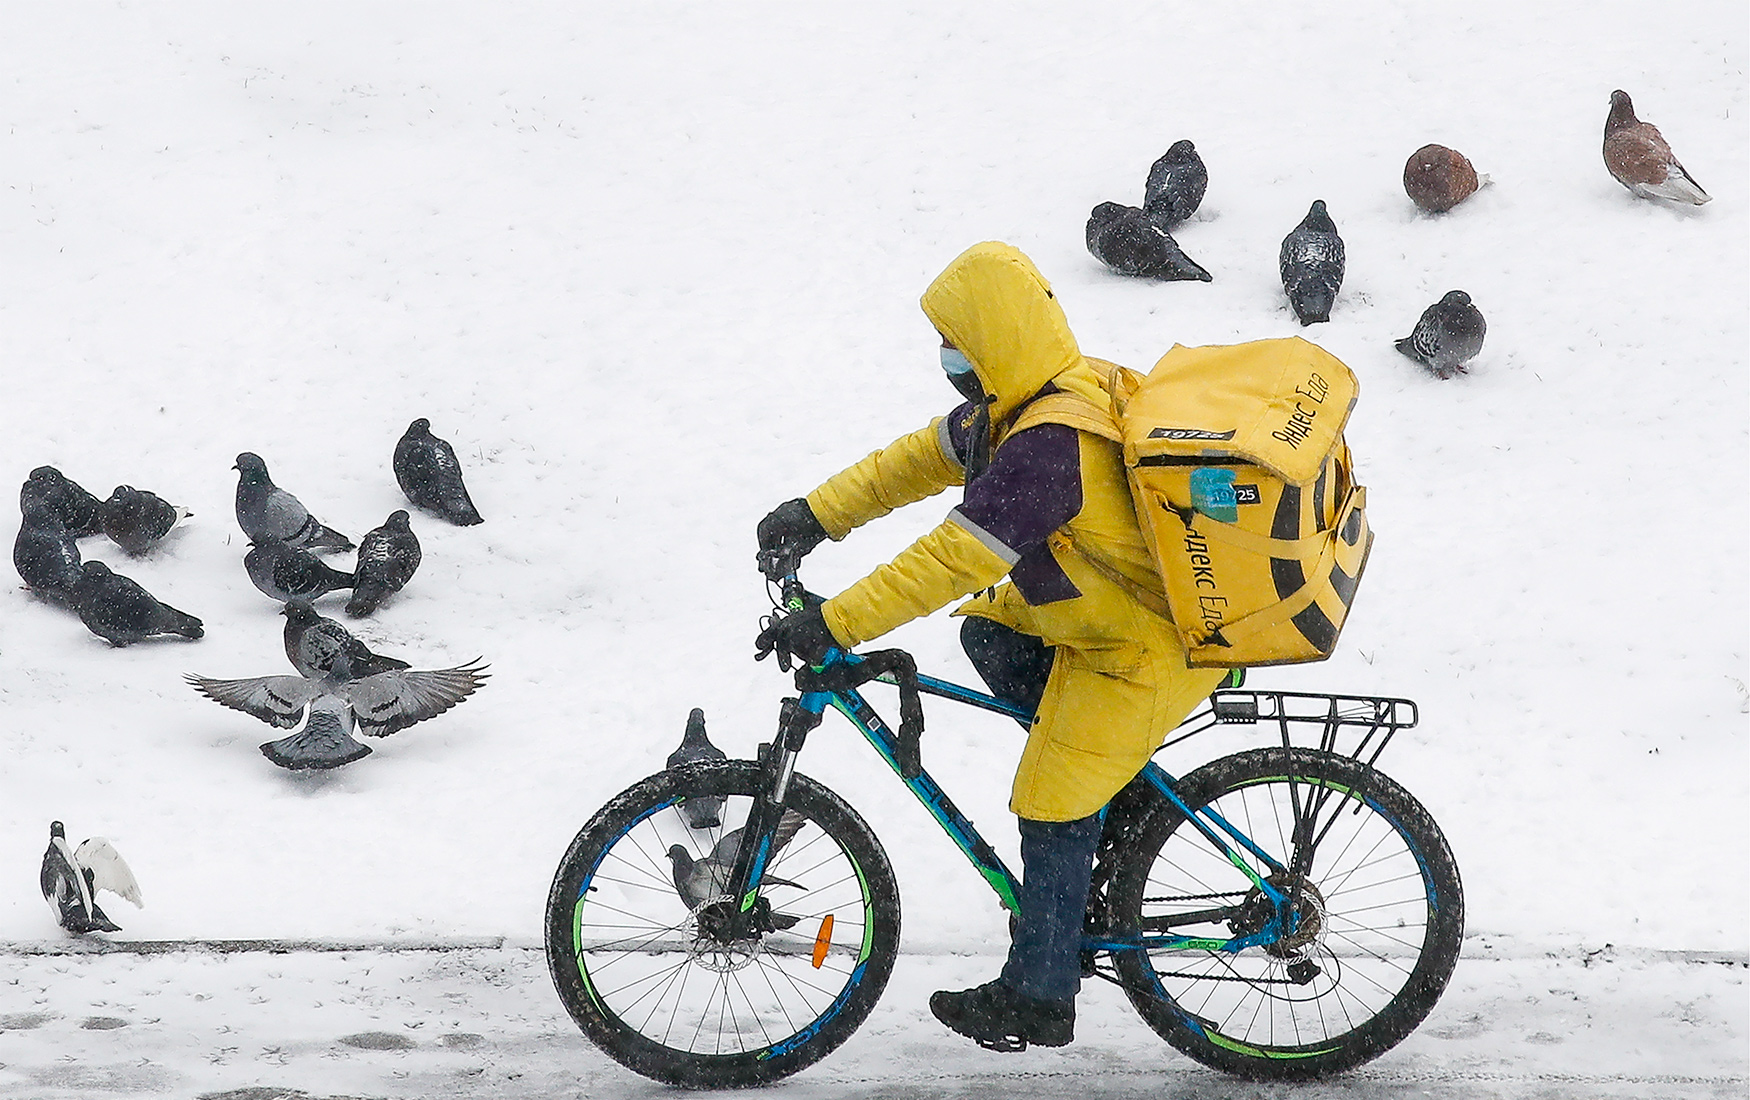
[961, 374]
[954, 361]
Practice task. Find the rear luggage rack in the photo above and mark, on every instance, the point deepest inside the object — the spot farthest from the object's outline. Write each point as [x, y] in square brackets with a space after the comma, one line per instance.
[1377, 717]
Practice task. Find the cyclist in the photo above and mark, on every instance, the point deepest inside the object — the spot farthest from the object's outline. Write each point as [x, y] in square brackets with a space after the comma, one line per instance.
[1049, 508]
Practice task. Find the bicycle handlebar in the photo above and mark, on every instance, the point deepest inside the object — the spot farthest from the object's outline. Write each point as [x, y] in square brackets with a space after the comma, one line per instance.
[843, 670]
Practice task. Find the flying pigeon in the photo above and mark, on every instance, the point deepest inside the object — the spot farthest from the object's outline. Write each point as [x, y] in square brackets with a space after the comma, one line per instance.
[1131, 242]
[1448, 335]
[322, 649]
[376, 706]
[119, 610]
[71, 878]
[284, 572]
[266, 511]
[695, 748]
[45, 554]
[134, 519]
[698, 881]
[1437, 178]
[1312, 265]
[1176, 183]
[427, 470]
[1638, 158]
[75, 507]
[388, 556]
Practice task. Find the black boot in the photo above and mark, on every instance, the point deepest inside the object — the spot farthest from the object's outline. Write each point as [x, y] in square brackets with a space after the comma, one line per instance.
[998, 1018]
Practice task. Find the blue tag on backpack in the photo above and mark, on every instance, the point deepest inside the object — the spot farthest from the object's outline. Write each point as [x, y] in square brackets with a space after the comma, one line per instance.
[1212, 493]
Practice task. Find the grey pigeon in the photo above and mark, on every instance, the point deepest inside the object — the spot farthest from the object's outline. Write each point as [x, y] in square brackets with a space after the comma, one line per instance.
[135, 519]
[45, 554]
[71, 878]
[120, 611]
[388, 557]
[696, 748]
[284, 572]
[1639, 158]
[698, 881]
[1130, 242]
[322, 649]
[376, 705]
[266, 511]
[1448, 335]
[70, 503]
[1176, 183]
[1312, 265]
[427, 471]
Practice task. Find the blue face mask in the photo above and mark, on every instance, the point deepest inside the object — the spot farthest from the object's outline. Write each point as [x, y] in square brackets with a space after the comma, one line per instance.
[954, 361]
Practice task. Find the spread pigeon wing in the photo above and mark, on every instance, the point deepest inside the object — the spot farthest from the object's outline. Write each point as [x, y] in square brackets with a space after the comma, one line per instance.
[109, 871]
[392, 701]
[277, 700]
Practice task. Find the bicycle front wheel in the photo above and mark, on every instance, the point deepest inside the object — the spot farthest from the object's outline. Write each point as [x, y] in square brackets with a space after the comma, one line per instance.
[1379, 913]
[657, 984]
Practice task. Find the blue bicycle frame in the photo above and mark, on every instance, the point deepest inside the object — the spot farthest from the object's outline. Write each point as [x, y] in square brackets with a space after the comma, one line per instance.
[1218, 831]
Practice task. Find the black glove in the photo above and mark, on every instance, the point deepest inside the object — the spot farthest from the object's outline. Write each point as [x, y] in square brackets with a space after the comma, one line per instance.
[803, 634]
[786, 535]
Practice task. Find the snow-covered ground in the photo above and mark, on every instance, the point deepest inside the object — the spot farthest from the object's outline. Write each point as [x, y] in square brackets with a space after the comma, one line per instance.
[482, 1023]
[654, 269]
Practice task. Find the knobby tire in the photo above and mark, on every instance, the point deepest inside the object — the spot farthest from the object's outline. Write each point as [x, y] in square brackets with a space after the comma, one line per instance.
[668, 1001]
[1382, 917]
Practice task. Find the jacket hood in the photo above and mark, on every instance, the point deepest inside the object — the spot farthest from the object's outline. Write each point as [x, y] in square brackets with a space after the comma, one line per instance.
[993, 305]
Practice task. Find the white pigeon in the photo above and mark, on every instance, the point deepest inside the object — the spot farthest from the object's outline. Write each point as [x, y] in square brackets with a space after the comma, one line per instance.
[71, 878]
[376, 706]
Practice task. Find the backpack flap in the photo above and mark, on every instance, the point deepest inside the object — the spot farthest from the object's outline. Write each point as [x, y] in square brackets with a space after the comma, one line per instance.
[1279, 404]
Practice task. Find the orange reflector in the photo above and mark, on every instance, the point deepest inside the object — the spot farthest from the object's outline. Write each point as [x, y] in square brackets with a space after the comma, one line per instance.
[821, 939]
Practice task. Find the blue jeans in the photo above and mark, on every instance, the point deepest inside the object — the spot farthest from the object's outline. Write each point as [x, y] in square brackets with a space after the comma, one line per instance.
[1057, 857]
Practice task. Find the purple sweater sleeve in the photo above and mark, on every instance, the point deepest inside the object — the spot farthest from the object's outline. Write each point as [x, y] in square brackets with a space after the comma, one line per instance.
[1032, 487]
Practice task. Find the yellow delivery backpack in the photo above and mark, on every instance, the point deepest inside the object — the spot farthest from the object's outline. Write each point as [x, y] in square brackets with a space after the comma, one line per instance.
[1244, 491]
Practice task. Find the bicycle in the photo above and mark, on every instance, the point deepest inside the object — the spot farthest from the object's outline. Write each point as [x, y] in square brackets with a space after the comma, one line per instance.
[1285, 912]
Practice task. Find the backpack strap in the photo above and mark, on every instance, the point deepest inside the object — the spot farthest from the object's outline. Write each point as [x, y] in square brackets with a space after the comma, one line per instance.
[1316, 580]
[1070, 410]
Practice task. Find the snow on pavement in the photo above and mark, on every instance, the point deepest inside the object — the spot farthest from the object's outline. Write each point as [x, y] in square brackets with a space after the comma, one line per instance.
[483, 1022]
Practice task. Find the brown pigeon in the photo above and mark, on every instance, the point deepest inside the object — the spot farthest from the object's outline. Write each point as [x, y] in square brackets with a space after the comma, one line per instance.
[1638, 158]
[1437, 178]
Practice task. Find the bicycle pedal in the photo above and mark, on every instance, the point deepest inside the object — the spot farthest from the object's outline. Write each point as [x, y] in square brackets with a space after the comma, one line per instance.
[1008, 1044]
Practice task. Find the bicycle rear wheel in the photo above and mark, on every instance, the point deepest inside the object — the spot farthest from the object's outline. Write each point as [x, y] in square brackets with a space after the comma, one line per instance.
[641, 971]
[1381, 914]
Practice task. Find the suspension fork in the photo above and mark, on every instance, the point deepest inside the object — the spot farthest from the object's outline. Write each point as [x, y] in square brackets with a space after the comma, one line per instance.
[796, 718]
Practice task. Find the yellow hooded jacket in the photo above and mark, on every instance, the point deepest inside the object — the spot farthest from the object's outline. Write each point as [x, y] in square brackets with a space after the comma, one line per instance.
[1120, 681]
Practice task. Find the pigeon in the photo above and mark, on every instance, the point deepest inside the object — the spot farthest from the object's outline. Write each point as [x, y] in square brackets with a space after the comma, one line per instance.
[71, 878]
[322, 649]
[75, 507]
[266, 511]
[120, 611]
[388, 557]
[696, 748]
[1176, 183]
[376, 706]
[1131, 242]
[699, 881]
[427, 470]
[1312, 265]
[1448, 335]
[46, 554]
[284, 572]
[135, 519]
[1638, 158]
[1437, 178]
